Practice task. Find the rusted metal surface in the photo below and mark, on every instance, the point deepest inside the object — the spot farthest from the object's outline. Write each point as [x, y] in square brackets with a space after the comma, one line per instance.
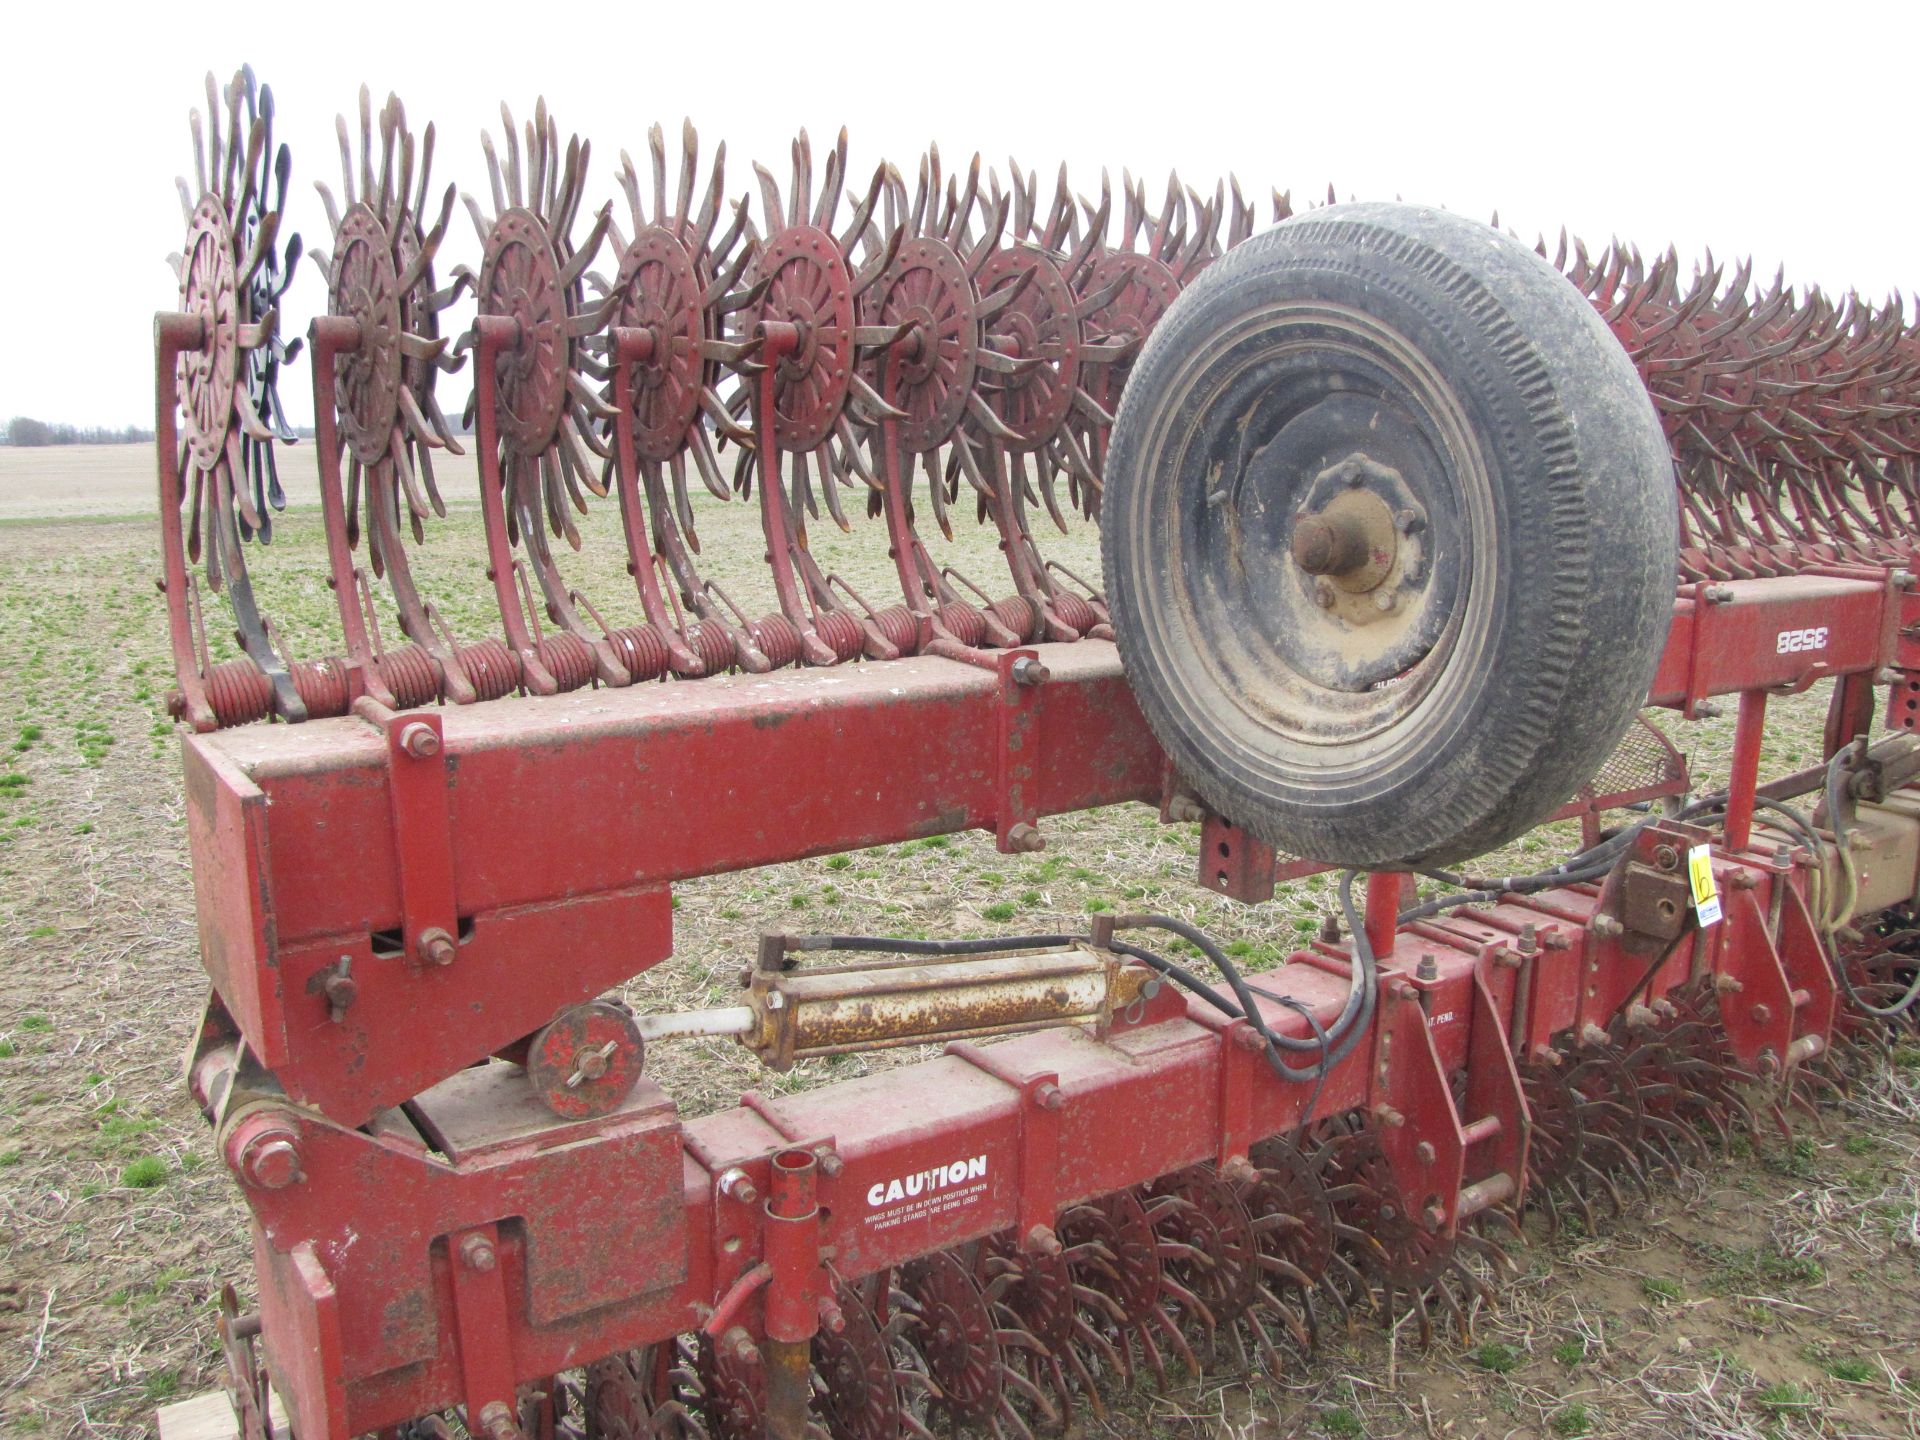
[911, 1000]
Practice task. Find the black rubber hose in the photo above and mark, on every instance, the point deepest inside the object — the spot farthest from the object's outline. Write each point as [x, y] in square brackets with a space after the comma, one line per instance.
[1191, 982]
[1348, 1027]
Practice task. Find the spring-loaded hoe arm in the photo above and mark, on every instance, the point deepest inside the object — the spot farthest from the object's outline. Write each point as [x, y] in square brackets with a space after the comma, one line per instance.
[1400, 530]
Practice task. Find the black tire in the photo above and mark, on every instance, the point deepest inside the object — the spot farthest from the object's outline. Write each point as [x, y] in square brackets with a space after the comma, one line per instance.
[1453, 381]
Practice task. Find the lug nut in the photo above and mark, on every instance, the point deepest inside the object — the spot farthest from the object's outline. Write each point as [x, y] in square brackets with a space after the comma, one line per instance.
[1385, 600]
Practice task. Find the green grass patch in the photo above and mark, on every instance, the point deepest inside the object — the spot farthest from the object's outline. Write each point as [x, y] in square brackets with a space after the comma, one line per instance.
[1572, 1419]
[1500, 1359]
[1661, 1289]
[999, 910]
[1785, 1397]
[146, 1173]
[1570, 1352]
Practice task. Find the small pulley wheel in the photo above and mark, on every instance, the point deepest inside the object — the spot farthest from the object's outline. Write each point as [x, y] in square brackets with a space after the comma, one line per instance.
[1389, 536]
[586, 1060]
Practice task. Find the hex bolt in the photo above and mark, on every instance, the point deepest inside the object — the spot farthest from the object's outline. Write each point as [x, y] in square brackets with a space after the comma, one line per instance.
[735, 1185]
[1762, 1014]
[1385, 600]
[476, 1253]
[497, 1422]
[1410, 522]
[419, 740]
[270, 1160]
[438, 946]
[1042, 1241]
[1323, 594]
[1902, 579]
[1717, 594]
[1023, 838]
[1403, 991]
[1389, 1117]
[1240, 1170]
[1248, 1038]
[1666, 857]
[1707, 710]
[340, 989]
[1424, 1152]
[1049, 1096]
[1887, 675]
[831, 1317]
[741, 1343]
[1606, 926]
[1529, 941]
[1330, 929]
[1742, 880]
[1592, 1034]
[1428, 968]
[1027, 670]
[830, 1163]
[1184, 809]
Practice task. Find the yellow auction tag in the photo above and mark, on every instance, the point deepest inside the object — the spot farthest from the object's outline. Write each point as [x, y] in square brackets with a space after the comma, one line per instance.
[1706, 896]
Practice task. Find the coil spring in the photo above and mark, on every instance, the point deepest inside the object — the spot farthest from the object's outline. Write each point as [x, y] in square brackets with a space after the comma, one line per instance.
[897, 624]
[714, 645]
[1016, 613]
[642, 650]
[842, 631]
[240, 693]
[776, 638]
[493, 669]
[568, 658]
[964, 622]
[411, 675]
[1075, 611]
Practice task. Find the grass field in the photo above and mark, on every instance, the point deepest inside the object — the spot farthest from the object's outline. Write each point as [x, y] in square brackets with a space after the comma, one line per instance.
[1776, 1292]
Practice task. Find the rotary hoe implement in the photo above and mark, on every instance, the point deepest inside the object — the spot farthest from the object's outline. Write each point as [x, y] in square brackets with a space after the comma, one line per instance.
[1403, 524]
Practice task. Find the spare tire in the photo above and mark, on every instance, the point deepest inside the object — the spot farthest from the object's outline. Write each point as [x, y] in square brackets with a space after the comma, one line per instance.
[1389, 536]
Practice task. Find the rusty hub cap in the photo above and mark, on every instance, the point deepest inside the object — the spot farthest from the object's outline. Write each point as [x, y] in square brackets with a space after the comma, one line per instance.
[933, 372]
[811, 290]
[365, 286]
[660, 292]
[587, 1061]
[520, 278]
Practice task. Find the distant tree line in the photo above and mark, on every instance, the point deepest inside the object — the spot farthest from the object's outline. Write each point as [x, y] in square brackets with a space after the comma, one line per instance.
[25, 431]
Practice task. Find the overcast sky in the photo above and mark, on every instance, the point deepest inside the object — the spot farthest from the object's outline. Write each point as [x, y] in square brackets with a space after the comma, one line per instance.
[1787, 136]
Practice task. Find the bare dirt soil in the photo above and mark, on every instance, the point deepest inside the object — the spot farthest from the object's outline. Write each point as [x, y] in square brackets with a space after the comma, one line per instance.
[1774, 1292]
